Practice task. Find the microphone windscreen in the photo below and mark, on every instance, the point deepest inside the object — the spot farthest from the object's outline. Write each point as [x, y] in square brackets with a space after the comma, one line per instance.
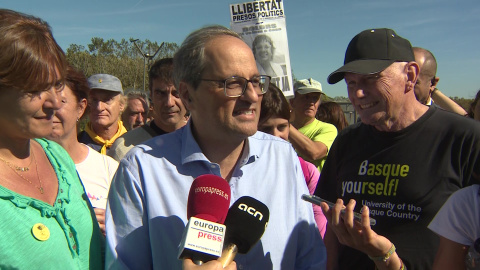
[209, 198]
[246, 222]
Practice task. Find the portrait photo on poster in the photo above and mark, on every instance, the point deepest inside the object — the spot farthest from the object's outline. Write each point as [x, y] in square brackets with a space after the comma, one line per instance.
[269, 61]
[262, 25]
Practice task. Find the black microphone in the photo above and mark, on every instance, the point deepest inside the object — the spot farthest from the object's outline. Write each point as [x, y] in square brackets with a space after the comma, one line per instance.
[207, 208]
[246, 222]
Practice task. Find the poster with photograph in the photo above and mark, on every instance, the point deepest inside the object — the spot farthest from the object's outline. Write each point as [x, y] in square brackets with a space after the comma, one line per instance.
[262, 26]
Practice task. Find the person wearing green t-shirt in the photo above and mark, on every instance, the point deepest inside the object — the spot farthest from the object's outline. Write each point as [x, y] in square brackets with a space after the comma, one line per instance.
[47, 220]
[310, 137]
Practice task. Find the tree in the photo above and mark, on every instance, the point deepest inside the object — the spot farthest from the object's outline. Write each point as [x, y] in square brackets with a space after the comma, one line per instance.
[465, 103]
[120, 59]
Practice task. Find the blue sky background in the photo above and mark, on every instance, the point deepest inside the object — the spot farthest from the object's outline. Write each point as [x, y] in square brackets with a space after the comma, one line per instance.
[318, 30]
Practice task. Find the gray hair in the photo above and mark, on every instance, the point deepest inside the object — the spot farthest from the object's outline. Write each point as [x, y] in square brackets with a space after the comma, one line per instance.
[189, 60]
[135, 94]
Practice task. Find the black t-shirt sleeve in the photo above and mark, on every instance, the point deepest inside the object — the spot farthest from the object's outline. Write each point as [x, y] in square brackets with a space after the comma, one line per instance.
[327, 182]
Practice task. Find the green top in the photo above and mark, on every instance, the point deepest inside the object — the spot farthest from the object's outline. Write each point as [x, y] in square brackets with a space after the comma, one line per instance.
[319, 131]
[75, 240]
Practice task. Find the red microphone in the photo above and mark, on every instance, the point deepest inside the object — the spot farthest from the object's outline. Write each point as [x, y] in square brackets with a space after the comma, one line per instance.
[209, 198]
[207, 208]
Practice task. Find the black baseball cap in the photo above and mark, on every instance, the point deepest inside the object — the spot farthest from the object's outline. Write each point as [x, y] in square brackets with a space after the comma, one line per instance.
[372, 51]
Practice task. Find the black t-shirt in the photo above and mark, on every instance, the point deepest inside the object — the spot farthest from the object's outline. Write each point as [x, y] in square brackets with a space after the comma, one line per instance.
[156, 130]
[404, 178]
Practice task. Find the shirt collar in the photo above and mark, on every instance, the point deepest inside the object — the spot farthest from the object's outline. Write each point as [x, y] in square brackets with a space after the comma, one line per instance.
[429, 102]
[191, 150]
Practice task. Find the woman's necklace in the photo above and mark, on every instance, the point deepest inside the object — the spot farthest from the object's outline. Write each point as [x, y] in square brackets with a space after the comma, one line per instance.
[16, 170]
[38, 177]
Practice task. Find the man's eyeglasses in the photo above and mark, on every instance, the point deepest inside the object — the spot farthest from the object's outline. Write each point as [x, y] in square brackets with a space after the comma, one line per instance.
[235, 86]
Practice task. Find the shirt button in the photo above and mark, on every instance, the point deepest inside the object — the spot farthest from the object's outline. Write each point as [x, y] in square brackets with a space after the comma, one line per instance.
[239, 266]
[61, 190]
[59, 201]
[70, 234]
[212, 166]
[74, 247]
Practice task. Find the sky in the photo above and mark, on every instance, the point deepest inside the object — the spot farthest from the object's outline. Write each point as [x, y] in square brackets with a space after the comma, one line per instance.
[318, 30]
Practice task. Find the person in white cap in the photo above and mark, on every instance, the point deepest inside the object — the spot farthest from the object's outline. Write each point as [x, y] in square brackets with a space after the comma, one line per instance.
[310, 137]
[106, 103]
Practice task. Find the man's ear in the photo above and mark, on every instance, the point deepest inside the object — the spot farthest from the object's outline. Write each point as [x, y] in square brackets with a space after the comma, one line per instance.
[412, 70]
[185, 90]
[122, 99]
[435, 82]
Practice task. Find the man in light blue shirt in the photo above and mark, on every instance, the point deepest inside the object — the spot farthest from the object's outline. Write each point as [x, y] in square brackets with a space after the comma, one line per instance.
[217, 78]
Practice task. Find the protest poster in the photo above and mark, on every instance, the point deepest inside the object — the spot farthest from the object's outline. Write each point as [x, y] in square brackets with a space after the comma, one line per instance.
[262, 26]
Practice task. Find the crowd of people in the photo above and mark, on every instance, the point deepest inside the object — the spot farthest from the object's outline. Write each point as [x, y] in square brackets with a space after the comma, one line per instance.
[114, 196]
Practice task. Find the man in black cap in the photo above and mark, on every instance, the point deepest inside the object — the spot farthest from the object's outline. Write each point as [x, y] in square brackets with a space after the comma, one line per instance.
[402, 161]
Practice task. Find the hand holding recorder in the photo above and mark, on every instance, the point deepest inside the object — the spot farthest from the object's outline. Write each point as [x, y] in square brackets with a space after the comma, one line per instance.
[357, 233]
[317, 200]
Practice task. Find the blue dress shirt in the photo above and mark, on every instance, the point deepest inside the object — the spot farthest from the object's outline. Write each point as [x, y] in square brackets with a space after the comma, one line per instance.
[147, 204]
